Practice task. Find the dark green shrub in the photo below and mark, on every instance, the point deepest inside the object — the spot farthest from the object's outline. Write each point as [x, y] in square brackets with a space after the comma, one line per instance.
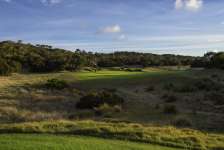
[216, 97]
[133, 69]
[5, 68]
[170, 98]
[187, 89]
[169, 86]
[56, 84]
[95, 99]
[107, 110]
[208, 85]
[214, 76]
[150, 88]
[182, 122]
[157, 106]
[170, 109]
[89, 69]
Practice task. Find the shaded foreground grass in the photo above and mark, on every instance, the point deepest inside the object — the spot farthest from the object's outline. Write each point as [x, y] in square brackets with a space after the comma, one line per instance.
[62, 142]
[166, 136]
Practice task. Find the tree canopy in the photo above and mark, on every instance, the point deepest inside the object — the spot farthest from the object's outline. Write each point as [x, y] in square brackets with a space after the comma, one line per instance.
[20, 57]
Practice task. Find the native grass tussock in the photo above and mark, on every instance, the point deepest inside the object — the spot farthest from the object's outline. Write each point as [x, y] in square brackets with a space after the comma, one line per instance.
[167, 136]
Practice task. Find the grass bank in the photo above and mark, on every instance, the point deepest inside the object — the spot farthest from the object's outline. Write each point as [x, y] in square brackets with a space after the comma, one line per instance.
[165, 136]
[62, 142]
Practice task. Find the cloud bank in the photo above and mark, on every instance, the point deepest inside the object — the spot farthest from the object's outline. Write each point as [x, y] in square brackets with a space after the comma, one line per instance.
[192, 5]
[111, 29]
[50, 2]
[45, 2]
[7, 1]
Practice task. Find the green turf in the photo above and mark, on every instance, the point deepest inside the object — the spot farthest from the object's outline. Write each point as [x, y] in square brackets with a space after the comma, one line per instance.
[101, 77]
[52, 142]
[109, 74]
[166, 136]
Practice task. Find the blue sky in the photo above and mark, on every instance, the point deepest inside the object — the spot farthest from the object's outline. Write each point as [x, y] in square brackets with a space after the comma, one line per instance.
[189, 27]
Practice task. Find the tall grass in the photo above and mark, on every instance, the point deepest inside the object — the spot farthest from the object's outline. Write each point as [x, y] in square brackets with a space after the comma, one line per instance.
[166, 136]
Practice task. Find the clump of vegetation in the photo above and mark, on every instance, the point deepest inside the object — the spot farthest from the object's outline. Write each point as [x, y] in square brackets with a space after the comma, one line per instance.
[216, 97]
[170, 109]
[107, 110]
[150, 88]
[11, 114]
[56, 84]
[187, 88]
[167, 136]
[133, 69]
[157, 106]
[95, 99]
[182, 122]
[168, 86]
[170, 98]
[208, 84]
[5, 69]
[83, 114]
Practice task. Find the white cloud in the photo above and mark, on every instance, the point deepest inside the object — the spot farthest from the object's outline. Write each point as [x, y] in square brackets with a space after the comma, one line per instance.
[111, 29]
[192, 5]
[122, 37]
[45, 2]
[50, 2]
[179, 4]
[7, 1]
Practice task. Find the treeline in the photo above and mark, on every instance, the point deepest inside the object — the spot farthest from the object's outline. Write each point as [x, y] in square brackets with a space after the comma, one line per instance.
[20, 57]
[142, 59]
[210, 60]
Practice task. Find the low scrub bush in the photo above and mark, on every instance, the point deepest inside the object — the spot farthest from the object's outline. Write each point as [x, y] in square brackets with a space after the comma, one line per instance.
[95, 99]
[208, 85]
[11, 114]
[133, 69]
[182, 122]
[56, 84]
[107, 110]
[216, 97]
[170, 98]
[187, 89]
[168, 86]
[170, 109]
[150, 88]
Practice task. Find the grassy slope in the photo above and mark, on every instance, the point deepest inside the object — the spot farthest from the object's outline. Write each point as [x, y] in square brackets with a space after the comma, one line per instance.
[82, 76]
[52, 142]
[167, 136]
[114, 79]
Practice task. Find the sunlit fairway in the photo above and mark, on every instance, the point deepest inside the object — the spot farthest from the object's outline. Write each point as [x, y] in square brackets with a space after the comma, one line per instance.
[109, 74]
[52, 142]
[83, 77]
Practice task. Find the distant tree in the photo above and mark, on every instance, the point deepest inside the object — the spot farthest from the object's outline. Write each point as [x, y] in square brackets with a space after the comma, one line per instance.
[5, 69]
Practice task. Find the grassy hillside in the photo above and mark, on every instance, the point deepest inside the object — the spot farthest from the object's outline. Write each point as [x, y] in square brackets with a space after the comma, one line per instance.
[166, 136]
[146, 93]
[175, 107]
[52, 142]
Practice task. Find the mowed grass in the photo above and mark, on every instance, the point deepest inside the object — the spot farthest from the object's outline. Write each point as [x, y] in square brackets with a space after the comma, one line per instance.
[110, 74]
[84, 78]
[102, 76]
[53, 142]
